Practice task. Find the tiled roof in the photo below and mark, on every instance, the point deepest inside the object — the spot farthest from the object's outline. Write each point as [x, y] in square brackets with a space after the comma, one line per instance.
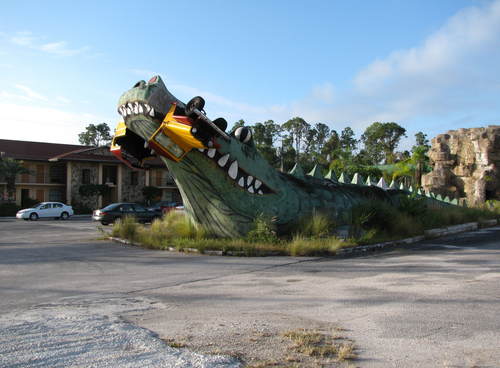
[41, 151]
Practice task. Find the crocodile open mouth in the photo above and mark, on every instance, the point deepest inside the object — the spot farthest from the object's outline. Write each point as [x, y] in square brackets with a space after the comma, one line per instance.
[242, 179]
[130, 109]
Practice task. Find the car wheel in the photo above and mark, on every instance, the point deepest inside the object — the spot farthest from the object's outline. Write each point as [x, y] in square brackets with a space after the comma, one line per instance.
[64, 216]
[25, 219]
[33, 216]
[104, 223]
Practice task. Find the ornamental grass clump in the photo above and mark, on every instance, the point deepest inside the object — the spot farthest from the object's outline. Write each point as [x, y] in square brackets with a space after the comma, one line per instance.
[263, 230]
[126, 228]
[319, 225]
[303, 246]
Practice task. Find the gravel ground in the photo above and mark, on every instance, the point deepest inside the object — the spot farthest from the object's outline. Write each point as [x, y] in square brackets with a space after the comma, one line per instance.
[91, 333]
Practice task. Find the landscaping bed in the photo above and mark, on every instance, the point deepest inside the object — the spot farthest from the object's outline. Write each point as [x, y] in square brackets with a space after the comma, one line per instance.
[376, 225]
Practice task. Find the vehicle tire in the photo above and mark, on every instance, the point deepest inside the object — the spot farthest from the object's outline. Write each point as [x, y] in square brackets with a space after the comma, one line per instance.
[104, 223]
[196, 102]
[33, 216]
[25, 219]
[64, 216]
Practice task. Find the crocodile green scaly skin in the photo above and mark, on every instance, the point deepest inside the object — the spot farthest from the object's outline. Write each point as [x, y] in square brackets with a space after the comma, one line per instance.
[227, 187]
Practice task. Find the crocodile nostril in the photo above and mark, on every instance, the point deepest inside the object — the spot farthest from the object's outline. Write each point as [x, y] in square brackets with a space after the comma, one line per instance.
[141, 83]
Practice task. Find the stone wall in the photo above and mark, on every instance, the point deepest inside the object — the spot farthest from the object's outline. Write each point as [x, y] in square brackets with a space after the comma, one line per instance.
[466, 163]
[77, 180]
[132, 192]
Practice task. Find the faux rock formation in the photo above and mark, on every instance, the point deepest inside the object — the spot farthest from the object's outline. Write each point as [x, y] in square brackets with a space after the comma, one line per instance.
[466, 164]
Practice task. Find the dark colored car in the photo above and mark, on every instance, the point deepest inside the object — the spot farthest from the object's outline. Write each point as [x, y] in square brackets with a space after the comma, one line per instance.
[162, 207]
[115, 211]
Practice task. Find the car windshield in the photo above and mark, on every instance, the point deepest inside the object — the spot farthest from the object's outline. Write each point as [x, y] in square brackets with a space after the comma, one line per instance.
[110, 207]
[39, 205]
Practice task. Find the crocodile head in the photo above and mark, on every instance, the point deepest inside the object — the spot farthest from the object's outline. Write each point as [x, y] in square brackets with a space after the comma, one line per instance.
[224, 185]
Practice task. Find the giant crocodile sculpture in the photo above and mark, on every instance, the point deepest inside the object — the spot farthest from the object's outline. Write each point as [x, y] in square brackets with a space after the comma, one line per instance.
[224, 181]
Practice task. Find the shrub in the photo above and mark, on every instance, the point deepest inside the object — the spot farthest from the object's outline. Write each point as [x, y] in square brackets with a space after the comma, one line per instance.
[264, 230]
[319, 225]
[126, 228]
[9, 209]
[151, 193]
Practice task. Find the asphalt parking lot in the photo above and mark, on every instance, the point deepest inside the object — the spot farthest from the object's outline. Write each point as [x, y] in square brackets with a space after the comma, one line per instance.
[434, 304]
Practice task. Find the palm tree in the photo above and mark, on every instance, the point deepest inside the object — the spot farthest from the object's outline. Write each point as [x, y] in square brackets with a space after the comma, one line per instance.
[9, 169]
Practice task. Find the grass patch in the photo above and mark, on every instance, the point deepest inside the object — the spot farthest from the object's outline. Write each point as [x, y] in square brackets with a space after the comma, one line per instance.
[302, 246]
[370, 222]
[315, 343]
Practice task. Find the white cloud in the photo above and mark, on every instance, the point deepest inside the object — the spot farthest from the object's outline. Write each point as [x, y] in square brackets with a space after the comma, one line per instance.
[59, 48]
[44, 124]
[458, 60]
[452, 77]
[62, 100]
[31, 94]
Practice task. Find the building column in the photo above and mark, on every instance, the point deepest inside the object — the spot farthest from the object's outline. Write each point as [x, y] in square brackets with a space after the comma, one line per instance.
[147, 178]
[99, 181]
[68, 182]
[119, 183]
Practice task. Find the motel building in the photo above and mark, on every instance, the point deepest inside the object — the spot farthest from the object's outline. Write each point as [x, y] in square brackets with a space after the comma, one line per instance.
[58, 171]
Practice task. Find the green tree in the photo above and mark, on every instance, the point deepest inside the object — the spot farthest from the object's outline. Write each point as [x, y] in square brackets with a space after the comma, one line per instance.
[9, 169]
[297, 129]
[347, 141]
[331, 147]
[95, 135]
[265, 136]
[381, 139]
[419, 156]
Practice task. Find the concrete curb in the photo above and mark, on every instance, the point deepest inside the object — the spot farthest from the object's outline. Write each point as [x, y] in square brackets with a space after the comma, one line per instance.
[360, 249]
[428, 234]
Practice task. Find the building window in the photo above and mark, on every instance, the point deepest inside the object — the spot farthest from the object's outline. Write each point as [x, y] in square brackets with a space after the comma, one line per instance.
[134, 178]
[85, 176]
[109, 174]
[57, 174]
[55, 195]
[40, 173]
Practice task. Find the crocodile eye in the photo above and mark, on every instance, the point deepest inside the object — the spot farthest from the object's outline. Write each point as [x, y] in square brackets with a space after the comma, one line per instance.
[243, 134]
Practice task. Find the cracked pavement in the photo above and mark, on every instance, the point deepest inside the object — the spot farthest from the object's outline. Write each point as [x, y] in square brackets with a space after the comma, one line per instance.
[431, 304]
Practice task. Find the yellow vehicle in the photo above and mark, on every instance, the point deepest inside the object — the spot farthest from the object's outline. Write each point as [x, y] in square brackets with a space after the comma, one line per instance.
[173, 138]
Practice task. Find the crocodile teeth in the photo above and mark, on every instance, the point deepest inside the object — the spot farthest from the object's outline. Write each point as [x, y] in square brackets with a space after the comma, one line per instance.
[141, 109]
[257, 184]
[145, 144]
[129, 111]
[250, 189]
[233, 170]
[260, 192]
[201, 149]
[249, 180]
[223, 160]
[147, 107]
[152, 112]
[136, 108]
[241, 182]
[211, 153]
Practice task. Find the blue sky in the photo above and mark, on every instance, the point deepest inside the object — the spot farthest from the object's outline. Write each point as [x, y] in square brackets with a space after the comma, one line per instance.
[428, 65]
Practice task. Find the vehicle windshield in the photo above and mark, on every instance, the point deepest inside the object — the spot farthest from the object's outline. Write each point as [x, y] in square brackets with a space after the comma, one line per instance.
[110, 207]
[38, 205]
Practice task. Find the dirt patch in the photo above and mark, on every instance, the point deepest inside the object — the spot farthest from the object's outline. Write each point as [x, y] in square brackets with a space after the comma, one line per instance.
[273, 340]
